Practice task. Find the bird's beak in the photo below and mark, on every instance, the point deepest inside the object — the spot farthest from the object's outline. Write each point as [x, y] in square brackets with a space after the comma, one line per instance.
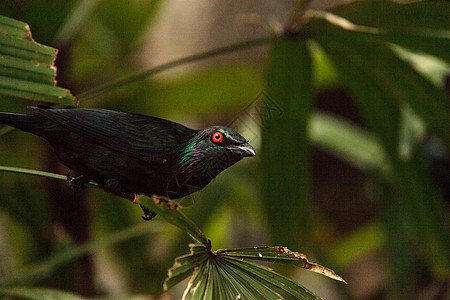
[243, 150]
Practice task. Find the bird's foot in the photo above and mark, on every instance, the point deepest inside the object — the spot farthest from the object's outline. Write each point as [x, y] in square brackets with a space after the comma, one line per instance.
[148, 214]
[77, 183]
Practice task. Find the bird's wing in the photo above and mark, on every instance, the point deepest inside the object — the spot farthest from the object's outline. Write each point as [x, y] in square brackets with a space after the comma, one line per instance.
[146, 138]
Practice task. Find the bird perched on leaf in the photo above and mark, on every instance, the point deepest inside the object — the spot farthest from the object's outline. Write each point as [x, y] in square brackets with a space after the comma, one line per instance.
[131, 154]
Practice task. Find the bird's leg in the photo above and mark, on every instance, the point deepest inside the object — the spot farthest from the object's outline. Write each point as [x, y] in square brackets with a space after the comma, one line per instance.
[114, 187]
[77, 183]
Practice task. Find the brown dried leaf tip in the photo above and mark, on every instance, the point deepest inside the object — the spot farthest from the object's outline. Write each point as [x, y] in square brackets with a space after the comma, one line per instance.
[309, 265]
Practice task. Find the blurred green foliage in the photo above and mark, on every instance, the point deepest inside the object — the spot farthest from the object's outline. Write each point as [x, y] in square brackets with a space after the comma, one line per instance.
[278, 198]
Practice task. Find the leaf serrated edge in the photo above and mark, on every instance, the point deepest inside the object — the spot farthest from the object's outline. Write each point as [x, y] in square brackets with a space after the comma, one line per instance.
[177, 269]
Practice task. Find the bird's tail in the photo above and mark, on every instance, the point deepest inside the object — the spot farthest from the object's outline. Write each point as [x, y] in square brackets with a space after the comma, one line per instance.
[21, 121]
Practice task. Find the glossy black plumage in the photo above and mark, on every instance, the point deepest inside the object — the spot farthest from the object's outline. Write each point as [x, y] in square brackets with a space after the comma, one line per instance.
[131, 154]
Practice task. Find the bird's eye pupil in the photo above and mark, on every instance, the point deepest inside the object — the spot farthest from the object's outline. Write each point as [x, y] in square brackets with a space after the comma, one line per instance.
[217, 137]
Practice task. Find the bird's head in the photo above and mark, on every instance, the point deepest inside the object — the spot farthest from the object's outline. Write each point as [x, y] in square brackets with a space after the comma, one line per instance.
[216, 147]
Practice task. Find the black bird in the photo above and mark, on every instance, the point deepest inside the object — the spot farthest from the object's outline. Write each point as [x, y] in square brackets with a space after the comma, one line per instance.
[132, 154]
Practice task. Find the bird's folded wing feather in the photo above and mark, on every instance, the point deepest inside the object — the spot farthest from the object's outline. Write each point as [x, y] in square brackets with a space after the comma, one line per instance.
[146, 138]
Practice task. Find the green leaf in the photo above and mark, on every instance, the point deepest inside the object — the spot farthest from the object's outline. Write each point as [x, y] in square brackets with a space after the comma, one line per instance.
[27, 68]
[249, 287]
[431, 67]
[22, 69]
[197, 284]
[15, 28]
[421, 26]
[416, 37]
[382, 83]
[263, 277]
[34, 91]
[385, 86]
[225, 274]
[26, 49]
[395, 15]
[184, 265]
[285, 177]
[433, 45]
[33, 293]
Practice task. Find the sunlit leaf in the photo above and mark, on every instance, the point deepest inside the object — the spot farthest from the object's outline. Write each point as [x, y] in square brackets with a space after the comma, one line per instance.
[431, 67]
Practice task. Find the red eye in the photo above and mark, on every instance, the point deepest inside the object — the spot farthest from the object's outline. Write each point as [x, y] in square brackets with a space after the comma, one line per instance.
[217, 137]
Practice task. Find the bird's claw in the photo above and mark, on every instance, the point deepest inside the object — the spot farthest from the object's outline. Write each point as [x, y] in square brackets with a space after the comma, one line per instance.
[148, 214]
[77, 183]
